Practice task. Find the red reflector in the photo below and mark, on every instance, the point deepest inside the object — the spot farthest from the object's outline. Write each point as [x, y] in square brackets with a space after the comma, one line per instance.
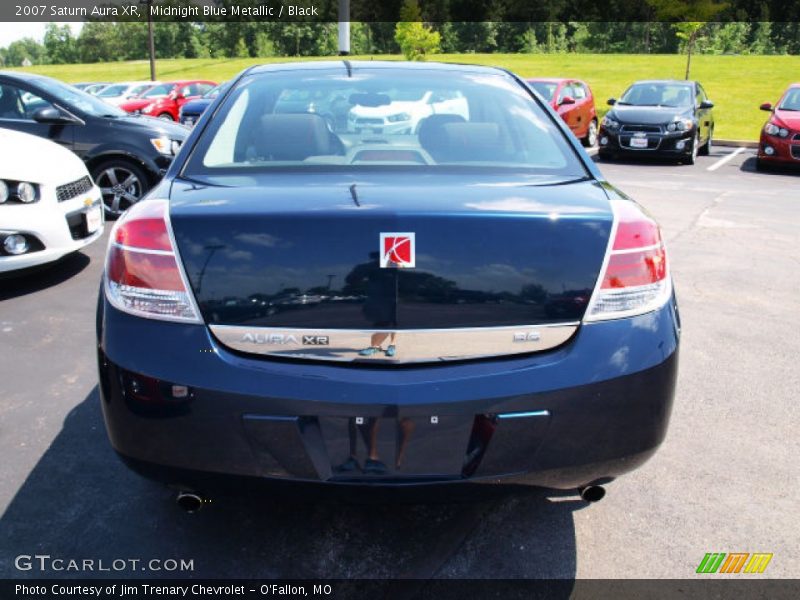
[634, 229]
[147, 229]
[635, 268]
[144, 270]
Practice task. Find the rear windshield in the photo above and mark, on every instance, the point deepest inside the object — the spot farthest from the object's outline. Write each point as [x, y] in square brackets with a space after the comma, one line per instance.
[379, 118]
[546, 88]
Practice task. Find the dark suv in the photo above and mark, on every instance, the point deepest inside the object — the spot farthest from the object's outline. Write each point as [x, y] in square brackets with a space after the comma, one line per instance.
[126, 155]
[668, 118]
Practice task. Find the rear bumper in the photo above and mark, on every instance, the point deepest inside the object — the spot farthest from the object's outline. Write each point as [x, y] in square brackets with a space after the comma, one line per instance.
[589, 411]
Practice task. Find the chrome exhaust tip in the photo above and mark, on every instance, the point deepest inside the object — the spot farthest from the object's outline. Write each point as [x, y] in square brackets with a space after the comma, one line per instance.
[190, 502]
[592, 493]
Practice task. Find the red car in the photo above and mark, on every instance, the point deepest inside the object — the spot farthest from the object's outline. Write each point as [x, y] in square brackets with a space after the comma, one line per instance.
[573, 101]
[780, 138]
[165, 100]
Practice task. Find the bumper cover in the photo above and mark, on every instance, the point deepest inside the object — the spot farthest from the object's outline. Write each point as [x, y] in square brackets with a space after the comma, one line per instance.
[180, 408]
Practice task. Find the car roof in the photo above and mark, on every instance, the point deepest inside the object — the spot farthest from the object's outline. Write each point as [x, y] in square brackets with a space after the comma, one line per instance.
[684, 81]
[337, 65]
[550, 79]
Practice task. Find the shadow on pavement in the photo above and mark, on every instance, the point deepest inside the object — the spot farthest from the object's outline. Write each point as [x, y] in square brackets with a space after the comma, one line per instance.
[751, 165]
[80, 502]
[28, 281]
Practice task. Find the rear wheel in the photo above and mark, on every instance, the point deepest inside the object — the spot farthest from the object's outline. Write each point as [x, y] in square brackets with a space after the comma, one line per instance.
[591, 135]
[121, 184]
[166, 116]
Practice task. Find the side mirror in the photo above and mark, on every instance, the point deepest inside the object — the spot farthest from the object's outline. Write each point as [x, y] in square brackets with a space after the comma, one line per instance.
[51, 115]
[706, 104]
[611, 101]
[767, 106]
[567, 100]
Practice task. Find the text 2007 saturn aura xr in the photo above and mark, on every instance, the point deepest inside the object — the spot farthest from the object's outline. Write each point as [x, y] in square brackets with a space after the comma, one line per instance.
[386, 274]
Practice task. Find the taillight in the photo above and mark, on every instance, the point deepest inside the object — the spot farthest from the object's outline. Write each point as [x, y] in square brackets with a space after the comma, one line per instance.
[143, 274]
[635, 277]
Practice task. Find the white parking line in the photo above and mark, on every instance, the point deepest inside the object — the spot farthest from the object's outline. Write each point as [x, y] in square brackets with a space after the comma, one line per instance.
[725, 159]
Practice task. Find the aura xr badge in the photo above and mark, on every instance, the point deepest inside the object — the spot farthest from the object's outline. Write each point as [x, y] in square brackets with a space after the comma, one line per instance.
[397, 251]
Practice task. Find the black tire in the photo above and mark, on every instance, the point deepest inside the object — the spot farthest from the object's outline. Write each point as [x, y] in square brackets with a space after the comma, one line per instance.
[591, 135]
[705, 149]
[166, 116]
[122, 183]
[762, 165]
[605, 155]
[691, 158]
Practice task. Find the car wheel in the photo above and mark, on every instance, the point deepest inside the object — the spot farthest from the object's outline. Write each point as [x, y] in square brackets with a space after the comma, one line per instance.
[591, 136]
[692, 158]
[705, 149]
[166, 116]
[121, 183]
[605, 155]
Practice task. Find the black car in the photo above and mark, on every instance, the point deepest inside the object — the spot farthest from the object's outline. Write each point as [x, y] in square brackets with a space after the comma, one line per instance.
[126, 155]
[467, 301]
[666, 118]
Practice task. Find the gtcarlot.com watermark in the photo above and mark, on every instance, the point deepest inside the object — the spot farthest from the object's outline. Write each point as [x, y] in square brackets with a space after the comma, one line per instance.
[44, 563]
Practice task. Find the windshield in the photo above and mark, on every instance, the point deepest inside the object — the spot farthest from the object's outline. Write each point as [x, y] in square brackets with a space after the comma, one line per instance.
[74, 98]
[659, 94]
[791, 101]
[159, 91]
[546, 89]
[112, 91]
[311, 119]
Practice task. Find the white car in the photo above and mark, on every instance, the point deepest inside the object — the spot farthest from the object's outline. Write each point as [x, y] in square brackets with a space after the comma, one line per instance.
[119, 93]
[49, 205]
[403, 110]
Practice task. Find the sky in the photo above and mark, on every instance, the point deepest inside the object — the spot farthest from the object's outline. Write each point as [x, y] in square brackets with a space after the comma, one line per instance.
[10, 32]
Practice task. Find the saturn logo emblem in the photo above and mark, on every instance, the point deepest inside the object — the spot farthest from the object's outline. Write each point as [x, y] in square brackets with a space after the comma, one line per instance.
[397, 251]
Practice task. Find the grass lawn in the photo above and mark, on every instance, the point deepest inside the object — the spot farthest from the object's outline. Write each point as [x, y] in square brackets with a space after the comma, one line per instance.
[736, 84]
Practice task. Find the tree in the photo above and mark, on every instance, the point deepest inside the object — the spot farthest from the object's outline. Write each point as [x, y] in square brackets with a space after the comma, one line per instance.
[416, 40]
[691, 17]
[59, 44]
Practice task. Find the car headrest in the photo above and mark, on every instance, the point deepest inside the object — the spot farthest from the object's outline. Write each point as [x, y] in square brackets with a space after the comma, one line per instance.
[292, 137]
[432, 137]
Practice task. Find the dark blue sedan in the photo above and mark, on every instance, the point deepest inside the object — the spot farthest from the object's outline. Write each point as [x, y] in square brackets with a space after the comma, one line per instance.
[321, 295]
[190, 113]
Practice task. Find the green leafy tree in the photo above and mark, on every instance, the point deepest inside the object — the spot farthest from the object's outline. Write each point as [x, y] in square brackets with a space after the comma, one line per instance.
[59, 44]
[416, 40]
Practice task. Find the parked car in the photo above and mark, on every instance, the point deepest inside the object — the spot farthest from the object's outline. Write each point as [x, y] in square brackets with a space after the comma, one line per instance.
[574, 102]
[119, 93]
[125, 155]
[190, 112]
[666, 118]
[164, 101]
[49, 206]
[780, 137]
[400, 110]
[300, 303]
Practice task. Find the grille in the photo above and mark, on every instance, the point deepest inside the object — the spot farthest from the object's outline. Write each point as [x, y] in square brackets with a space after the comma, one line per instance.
[75, 188]
[645, 128]
[796, 137]
[369, 121]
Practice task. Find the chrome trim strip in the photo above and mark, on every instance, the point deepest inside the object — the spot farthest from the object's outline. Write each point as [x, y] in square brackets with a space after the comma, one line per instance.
[410, 345]
[524, 415]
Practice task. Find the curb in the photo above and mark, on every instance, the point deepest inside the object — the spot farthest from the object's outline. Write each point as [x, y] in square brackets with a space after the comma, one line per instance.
[736, 143]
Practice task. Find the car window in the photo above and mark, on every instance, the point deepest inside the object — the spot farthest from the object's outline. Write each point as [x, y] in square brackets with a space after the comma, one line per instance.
[10, 103]
[112, 91]
[658, 94]
[546, 89]
[580, 91]
[381, 118]
[159, 91]
[77, 100]
[203, 88]
[566, 91]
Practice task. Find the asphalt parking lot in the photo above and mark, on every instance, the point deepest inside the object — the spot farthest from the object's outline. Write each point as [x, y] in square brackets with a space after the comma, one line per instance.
[725, 479]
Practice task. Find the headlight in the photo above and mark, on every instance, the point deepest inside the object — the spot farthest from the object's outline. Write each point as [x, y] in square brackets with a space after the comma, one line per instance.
[399, 117]
[610, 123]
[680, 124]
[166, 146]
[3, 191]
[26, 192]
[773, 129]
